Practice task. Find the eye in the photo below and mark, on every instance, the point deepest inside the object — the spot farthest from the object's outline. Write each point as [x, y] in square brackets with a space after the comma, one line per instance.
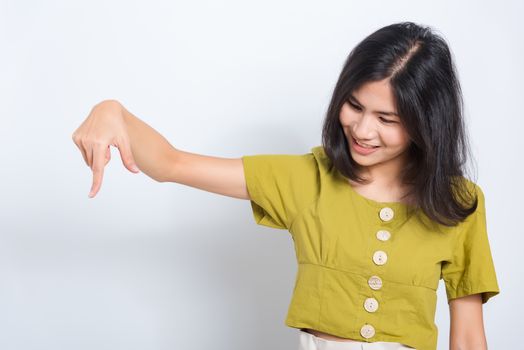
[354, 106]
[387, 121]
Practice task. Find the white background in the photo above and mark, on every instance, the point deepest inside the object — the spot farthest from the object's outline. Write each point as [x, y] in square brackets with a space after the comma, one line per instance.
[147, 265]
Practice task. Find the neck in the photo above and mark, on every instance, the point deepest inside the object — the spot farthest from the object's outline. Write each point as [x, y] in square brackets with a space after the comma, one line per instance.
[383, 175]
[384, 181]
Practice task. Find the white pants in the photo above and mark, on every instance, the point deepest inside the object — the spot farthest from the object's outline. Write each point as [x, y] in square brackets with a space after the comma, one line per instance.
[309, 341]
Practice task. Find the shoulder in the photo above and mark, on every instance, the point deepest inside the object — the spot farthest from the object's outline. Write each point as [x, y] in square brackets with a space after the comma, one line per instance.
[292, 170]
[277, 163]
[470, 195]
[470, 185]
[470, 192]
[321, 158]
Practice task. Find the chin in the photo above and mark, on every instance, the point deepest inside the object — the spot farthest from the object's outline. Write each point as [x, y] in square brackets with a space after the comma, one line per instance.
[363, 160]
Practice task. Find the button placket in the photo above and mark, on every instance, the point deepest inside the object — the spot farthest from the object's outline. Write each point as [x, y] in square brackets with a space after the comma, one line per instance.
[380, 257]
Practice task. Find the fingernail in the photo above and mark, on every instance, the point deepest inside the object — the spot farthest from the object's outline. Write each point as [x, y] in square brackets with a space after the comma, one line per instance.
[135, 168]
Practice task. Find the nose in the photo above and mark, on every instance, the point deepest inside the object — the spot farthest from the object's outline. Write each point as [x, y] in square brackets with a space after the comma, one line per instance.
[363, 128]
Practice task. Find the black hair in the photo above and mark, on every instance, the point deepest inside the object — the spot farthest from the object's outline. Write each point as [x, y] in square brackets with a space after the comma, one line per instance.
[428, 98]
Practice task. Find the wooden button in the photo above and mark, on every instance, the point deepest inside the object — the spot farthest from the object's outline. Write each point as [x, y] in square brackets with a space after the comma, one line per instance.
[383, 235]
[375, 282]
[371, 305]
[367, 331]
[386, 214]
[380, 257]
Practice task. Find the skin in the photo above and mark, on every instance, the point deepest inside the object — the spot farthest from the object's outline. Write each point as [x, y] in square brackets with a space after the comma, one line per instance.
[467, 324]
[361, 119]
[142, 148]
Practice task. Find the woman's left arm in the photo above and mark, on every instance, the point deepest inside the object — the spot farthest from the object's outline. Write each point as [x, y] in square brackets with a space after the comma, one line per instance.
[466, 324]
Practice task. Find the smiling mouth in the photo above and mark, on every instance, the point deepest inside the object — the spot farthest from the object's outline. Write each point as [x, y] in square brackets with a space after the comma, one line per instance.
[364, 145]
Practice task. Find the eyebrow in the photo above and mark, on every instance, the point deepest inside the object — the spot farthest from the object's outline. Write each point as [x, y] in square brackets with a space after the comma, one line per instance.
[379, 112]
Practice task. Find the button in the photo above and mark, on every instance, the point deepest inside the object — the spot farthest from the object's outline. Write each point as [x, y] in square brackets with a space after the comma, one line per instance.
[367, 331]
[383, 235]
[371, 304]
[386, 214]
[380, 257]
[375, 282]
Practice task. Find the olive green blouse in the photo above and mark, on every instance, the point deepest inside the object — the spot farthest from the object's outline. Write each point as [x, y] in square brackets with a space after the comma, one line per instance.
[367, 270]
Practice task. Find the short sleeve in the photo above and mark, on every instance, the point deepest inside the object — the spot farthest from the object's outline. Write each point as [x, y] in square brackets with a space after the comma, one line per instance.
[471, 269]
[280, 186]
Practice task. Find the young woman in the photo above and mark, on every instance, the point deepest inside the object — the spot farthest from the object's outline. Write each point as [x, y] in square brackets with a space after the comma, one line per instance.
[378, 214]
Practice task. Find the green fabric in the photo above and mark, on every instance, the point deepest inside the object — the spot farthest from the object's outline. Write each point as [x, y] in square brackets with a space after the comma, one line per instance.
[334, 232]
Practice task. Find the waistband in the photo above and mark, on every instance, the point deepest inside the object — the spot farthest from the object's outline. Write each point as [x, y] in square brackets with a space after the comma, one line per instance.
[308, 341]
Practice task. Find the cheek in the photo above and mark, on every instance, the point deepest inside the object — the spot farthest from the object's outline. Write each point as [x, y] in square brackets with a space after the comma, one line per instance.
[346, 116]
[343, 118]
[395, 137]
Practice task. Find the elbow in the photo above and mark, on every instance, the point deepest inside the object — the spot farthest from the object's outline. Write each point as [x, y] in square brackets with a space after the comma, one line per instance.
[169, 161]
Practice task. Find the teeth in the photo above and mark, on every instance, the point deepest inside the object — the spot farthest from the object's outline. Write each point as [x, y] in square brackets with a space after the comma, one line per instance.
[364, 145]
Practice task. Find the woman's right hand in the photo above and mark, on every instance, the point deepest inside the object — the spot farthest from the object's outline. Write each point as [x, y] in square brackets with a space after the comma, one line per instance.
[104, 127]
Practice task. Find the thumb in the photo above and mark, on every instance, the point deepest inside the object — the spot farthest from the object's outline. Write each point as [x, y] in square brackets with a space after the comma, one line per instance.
[127, 156]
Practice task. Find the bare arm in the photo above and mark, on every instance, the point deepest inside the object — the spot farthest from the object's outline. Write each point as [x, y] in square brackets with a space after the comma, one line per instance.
[109, 123]
[218, 175]
[466, 324]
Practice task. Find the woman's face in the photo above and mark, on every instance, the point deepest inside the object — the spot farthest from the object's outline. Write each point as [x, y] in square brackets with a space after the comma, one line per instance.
[370, 117]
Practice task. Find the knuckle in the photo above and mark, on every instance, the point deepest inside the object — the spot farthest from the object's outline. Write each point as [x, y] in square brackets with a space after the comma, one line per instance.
[128, 160]
[110, 101]
[77, 139]
[98, 142]
[96, 165]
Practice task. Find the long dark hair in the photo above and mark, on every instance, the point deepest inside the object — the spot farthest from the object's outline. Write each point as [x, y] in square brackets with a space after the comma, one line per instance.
[423, 78]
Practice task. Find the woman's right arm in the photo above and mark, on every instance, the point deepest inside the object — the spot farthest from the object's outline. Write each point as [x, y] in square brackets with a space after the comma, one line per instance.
[109, 123]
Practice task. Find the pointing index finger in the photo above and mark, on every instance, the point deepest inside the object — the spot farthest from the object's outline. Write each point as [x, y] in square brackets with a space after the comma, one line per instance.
[98, 169]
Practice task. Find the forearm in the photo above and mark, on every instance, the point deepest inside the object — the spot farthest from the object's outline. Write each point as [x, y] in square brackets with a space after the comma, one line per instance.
[467, 324]
[150, 149]
[158, 159]
[468, 343]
